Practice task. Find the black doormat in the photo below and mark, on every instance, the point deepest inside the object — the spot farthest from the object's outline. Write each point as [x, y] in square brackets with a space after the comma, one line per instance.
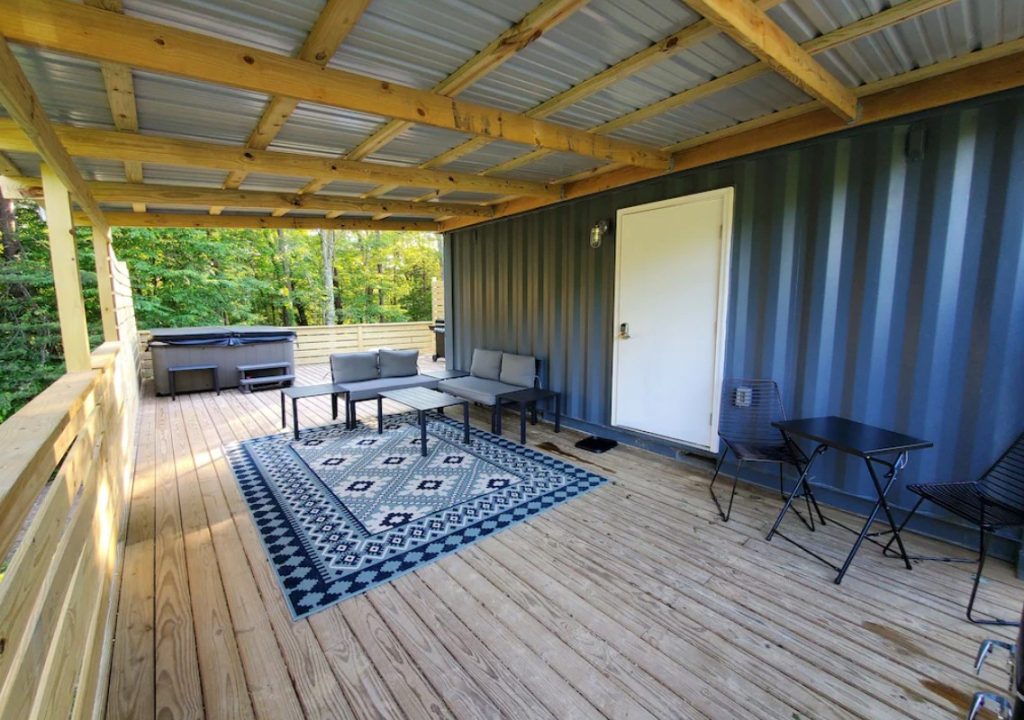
[596, 444]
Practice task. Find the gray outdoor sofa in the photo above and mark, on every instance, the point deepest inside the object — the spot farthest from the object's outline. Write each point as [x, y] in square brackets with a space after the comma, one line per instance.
[366, 374]
[493, 373]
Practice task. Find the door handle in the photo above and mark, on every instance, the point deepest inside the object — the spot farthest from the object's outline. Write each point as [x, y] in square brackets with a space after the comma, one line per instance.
[624, 331]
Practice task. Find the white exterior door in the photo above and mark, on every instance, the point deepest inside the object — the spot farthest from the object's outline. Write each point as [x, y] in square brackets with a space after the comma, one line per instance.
[671, 289]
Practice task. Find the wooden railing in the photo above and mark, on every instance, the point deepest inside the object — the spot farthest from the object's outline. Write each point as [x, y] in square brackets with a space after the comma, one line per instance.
[315, 343]
[65, 478]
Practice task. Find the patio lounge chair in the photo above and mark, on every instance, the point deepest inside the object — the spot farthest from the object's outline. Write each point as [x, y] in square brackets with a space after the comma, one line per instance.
[993, 503]
[747, 411]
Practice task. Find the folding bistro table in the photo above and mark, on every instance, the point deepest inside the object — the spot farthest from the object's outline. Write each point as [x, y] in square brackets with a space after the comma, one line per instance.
[879, 448]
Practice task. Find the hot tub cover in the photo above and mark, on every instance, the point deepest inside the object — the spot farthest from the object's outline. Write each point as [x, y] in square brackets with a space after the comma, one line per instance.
[221, 336]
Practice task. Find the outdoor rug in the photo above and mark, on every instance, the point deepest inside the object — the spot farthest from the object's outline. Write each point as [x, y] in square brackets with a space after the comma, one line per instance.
[340, 511]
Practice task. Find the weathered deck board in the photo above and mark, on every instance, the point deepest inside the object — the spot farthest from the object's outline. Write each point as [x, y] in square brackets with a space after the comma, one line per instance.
[631, 601]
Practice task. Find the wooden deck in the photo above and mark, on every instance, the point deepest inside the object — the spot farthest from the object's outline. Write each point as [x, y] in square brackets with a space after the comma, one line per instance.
[633, 601]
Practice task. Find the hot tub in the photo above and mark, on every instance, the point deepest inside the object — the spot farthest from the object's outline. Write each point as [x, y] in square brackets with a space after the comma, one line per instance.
[225, 347]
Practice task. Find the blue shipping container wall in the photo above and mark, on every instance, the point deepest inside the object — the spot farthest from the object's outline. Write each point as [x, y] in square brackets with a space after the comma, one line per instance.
[877, 274]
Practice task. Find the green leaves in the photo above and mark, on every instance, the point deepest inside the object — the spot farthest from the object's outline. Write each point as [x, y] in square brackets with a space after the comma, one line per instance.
[188, 277]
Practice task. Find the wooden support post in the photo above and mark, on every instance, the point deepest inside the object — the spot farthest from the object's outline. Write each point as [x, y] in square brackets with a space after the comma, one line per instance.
[104, 281]
[74, 332]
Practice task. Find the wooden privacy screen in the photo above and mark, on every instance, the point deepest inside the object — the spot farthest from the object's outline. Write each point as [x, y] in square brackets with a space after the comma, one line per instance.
[315, 343]
[65, 477]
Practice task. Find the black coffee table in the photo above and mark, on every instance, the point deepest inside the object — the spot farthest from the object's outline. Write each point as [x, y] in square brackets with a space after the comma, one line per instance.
[528, 398]
[422, 400]
[305, 391]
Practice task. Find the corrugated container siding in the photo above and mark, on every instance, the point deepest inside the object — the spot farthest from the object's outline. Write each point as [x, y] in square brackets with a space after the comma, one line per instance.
[872, 279]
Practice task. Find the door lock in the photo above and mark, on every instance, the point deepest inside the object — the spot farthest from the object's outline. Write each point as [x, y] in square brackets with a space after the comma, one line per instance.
[624, 331]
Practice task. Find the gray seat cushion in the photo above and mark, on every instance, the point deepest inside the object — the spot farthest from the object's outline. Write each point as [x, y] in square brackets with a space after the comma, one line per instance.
[398, 363]
[372, 388]
[354, 367]
[518, 369]
[486, 364]
[476, 389]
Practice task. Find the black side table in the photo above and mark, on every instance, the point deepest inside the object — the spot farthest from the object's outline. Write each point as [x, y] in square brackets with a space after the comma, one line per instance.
[527, 398]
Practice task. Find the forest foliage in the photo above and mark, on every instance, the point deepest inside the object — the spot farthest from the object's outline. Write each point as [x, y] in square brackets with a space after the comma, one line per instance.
[188, 277]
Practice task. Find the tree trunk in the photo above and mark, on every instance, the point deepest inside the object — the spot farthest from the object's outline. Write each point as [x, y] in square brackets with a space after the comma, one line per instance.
[8, 229]
[327, 245]
[286, 272]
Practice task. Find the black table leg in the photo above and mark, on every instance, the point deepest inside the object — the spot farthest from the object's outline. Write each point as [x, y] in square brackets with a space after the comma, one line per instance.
[465, 422]
[522, 423]
[216, 381]
[883, 504]
[796, 491]
[496, 418]
[533, 413]
[170, 378]
[380, 416]
[558, 412]
[295, 416]
[284, 418]
[423, 433]
[334, 406]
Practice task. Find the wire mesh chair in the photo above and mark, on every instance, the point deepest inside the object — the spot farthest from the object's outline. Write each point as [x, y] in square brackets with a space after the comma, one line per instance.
[747, 411]
[993, 503]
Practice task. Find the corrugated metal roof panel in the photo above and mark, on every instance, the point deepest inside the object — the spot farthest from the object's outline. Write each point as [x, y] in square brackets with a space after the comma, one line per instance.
[27, 163]
[177, 175]
[553, 166]
[100, 170]
[418, 144]
[592, 39]
[279, 26]
[323, 130]
[464, 196]
[488, 156]
[403, 193]
[273, 183]
[202, 111]
[341, 187]
[951, 31]
[71, 89]
[419, 44]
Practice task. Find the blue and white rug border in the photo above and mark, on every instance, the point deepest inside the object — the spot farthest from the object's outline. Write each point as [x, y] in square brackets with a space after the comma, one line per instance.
[240, 459]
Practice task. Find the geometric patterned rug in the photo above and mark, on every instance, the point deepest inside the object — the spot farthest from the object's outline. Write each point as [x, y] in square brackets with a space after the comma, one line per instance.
[341, 511]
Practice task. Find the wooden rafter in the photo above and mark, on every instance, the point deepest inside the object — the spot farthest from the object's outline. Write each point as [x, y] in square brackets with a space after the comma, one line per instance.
[17, 95]
[751, 27]
[979, 73]
[85, 31]
[112, 145]
[171, 220]
[113, 192]
[335, 22]
[514, 40]
[120, 87]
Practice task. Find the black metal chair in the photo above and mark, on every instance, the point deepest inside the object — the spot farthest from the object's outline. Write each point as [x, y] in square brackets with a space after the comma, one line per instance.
[747, 411]
[993, 503]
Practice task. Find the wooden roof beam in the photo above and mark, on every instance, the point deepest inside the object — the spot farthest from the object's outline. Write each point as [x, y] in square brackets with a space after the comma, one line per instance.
[80, 30]
[113, 145]
[335, 22]
[176, 220]
[751, 27]
[114, 192]
[17, 95]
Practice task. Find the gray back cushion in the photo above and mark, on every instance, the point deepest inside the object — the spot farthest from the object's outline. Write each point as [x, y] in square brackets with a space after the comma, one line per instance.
[398, 363]
[518, 369]
[486, 364]
[353, 367]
